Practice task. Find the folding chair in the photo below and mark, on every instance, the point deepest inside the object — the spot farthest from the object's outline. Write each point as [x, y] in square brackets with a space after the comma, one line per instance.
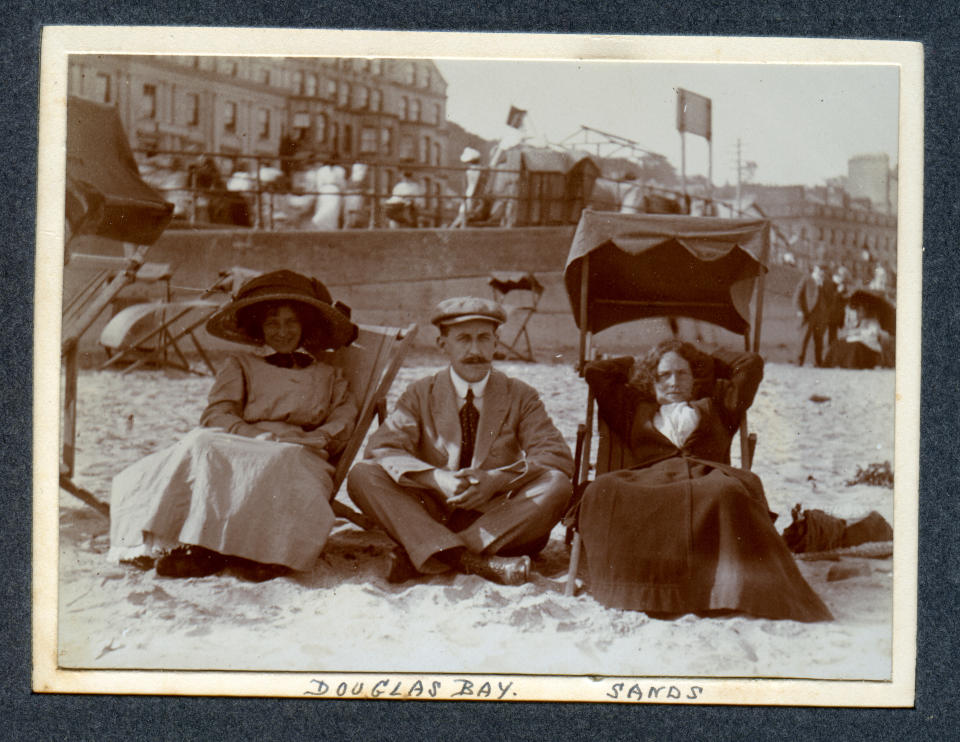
[504, 283]
[370, 364]
[624, 267]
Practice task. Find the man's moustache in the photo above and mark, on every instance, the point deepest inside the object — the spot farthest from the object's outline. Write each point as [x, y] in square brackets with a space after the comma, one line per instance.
[475, 359]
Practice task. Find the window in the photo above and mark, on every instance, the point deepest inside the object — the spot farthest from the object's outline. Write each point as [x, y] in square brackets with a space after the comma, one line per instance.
[361, 97]
[263, 123]
[343, 98]
[425, 77]
[265, 76]
[415, 110]
[228, 67]
[438, 113]
[386, 141]
[331, 89]
[437, 153]
[230, 117]
[361, 65]
[311, 85]
[404, 108]
[208, 64]
[406, 148]
[409, 73]
[425, 150]
[368, 140]
[193, 109]
[320, 127]
[376, 100]
[148, 103]
[376, 66]
[334, 136]
[297, 82]
[347, 139]
[101, 88]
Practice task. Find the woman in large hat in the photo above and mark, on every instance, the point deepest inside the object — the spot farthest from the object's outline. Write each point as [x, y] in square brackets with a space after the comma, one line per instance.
[249, 490]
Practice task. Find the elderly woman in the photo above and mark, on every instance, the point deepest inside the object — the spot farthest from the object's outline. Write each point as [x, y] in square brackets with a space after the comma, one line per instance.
[682, 530]
[250, 488]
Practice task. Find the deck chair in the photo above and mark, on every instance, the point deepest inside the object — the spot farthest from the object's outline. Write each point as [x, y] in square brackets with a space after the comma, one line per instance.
[150, 331]
[624, 267]
[370, 364]
[503, 283]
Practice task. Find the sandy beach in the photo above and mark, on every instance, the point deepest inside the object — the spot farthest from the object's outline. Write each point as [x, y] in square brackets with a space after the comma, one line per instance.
[815, 428]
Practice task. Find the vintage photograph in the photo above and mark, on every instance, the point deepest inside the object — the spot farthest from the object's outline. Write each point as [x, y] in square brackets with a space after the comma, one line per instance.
[488, 373]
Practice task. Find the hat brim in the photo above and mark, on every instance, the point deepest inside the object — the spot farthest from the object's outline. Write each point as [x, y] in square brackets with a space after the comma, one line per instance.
[457, 319]
[334, 331]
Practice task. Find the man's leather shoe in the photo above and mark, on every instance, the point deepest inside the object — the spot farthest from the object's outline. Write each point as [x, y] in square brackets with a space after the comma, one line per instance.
[500, 569]
[399, 567]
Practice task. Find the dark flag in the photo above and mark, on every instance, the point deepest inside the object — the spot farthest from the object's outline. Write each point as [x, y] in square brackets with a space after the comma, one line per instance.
[515, 117]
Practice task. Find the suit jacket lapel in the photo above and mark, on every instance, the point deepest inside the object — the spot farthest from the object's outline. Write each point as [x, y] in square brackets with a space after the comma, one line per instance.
[495, 407]
[445, 409]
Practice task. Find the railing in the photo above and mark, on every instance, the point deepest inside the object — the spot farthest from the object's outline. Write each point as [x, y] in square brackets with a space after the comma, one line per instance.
[277, 186]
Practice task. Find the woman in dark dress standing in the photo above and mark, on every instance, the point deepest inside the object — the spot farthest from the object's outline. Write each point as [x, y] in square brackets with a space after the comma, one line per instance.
[683, 531]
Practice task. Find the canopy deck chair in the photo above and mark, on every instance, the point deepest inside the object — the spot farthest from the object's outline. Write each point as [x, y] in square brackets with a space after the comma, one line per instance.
[105, 197]
[624, 267]
[503, 283]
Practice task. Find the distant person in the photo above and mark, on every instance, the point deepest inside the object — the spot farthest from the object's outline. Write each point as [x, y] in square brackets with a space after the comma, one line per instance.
[475, 205]
[843, 284]
[879, 280]
[468, 472]
[814, 301]
[864, 343]
[632, 201]
[405, 202]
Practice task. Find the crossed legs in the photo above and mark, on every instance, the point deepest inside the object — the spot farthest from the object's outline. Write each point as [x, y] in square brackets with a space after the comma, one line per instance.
[515, 522]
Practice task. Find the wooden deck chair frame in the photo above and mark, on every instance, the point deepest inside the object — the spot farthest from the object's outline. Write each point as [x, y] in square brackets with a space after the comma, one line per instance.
[370, 364]
[504, 283]
[612, 454]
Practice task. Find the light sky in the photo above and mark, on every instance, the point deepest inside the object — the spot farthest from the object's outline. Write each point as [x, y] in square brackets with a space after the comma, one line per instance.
[800, 123]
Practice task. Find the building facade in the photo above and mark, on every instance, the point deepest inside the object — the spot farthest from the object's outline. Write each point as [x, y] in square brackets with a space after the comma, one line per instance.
[387, 112]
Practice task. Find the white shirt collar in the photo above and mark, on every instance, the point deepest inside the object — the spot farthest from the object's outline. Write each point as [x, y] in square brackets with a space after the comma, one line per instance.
[461, 385]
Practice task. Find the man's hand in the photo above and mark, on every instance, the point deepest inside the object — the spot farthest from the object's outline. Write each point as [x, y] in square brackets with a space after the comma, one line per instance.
[482, 487]
[448, 484]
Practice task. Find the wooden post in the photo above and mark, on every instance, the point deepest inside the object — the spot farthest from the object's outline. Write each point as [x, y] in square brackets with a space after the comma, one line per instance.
[584, 302]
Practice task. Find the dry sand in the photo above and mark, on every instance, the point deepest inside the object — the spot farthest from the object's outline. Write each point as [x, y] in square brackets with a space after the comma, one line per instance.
[345, 616]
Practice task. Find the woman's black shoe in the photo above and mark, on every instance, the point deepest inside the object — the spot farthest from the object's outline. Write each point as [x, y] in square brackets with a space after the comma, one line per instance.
[251, 571]
[191, 561]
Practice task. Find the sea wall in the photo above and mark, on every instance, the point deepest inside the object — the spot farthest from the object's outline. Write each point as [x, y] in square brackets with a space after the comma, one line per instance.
[397, 276]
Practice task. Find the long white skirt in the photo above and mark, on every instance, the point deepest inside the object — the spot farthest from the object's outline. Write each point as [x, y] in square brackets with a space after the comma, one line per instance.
[260, 500]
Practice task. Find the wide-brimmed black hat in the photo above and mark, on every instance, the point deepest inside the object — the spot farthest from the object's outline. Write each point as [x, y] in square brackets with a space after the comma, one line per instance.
[330, 326]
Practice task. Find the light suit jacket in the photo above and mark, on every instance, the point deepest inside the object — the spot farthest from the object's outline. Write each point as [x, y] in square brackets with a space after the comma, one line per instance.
[423, 432]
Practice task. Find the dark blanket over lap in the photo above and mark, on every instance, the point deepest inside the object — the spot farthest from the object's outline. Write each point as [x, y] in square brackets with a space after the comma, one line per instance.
[685, 535]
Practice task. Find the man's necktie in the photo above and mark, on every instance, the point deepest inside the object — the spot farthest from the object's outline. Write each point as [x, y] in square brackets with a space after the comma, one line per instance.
[469, 417]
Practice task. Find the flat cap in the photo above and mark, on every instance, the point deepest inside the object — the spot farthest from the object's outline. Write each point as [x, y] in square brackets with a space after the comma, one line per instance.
[465, 308]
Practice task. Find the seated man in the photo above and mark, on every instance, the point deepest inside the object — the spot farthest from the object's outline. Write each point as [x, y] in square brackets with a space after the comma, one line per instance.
[468, 472]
